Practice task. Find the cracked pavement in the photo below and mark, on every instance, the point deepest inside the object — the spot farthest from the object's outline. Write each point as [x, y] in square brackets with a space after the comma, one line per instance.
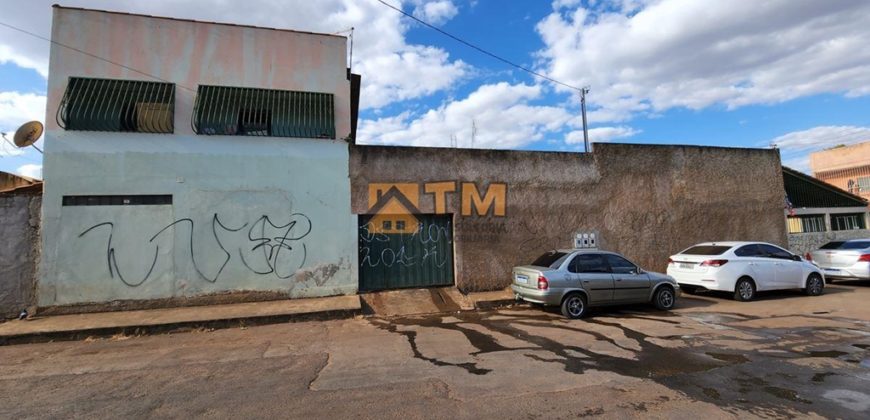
[785, 355]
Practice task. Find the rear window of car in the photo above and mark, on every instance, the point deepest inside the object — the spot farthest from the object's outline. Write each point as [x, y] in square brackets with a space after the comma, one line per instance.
[847, 245]
[706, 250]
[856, 245]
[551, 259]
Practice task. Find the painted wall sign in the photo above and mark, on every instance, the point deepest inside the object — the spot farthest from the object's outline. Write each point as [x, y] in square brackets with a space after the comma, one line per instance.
[395, 204]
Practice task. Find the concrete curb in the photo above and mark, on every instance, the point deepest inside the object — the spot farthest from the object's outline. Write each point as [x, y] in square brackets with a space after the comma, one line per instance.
[47, 329]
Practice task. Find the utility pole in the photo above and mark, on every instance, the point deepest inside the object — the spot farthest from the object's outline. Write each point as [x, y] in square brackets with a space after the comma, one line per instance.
[583, 93]
[473, 132]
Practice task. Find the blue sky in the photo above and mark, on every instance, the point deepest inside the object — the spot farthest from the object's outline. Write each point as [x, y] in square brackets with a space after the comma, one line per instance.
[740, 73]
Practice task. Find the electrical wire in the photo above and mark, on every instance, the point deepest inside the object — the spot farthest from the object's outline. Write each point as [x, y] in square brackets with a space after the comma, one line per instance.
[93, 55]
[462, 41]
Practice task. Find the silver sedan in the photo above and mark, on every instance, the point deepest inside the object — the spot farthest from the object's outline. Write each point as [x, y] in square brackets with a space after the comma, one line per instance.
[844, 259]
[578, 279]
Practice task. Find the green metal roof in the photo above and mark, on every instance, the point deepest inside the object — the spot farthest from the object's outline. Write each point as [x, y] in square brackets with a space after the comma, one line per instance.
[805, 191]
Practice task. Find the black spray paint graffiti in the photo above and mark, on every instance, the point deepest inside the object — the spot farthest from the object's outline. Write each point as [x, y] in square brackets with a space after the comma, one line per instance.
[266, 253]
[426, 240]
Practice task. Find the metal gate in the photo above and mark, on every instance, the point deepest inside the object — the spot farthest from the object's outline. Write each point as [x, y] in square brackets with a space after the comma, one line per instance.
[405, 251]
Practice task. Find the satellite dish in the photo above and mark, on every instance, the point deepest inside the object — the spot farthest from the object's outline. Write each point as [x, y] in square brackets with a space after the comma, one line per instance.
[28, 134]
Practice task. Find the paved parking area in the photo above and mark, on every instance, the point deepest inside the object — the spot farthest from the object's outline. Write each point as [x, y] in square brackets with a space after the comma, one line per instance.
[785, 355]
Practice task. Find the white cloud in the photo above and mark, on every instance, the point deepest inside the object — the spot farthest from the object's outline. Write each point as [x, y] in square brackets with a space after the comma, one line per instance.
[601, 134]
[385, 82]
[561, 4]
[392, 68]
[15, 109]
[435, 12]
[796, 146]
[649, 56]
[27, 61]
[31, 170]
[502, 115]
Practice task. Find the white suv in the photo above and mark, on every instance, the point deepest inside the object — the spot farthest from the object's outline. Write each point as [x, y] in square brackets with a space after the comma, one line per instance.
[743, 268]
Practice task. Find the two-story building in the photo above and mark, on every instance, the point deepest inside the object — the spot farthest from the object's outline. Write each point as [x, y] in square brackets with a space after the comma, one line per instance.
[186, 159]
[845, 167]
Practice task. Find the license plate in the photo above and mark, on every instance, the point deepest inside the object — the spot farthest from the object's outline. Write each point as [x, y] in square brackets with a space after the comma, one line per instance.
[687, 265]
[833, 270]
[522, 279]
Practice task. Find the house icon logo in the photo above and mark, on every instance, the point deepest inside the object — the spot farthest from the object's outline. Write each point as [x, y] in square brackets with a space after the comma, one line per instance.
[394, 211]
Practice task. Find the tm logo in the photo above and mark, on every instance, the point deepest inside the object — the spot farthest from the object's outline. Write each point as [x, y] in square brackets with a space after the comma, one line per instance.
[396, 204]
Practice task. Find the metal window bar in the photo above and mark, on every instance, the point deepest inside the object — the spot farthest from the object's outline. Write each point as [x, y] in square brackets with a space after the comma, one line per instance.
[90, 104]
[223, 110]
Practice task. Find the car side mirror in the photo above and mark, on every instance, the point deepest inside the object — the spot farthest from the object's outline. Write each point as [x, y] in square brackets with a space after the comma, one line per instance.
[796, 258]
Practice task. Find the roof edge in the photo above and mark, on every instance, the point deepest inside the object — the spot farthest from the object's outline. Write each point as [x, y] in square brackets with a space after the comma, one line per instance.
[58, 6]
[822, 184]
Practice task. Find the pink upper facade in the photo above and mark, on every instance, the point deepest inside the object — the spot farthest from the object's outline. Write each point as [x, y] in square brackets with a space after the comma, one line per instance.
[191, 53]
[847, 157]
[844, 167]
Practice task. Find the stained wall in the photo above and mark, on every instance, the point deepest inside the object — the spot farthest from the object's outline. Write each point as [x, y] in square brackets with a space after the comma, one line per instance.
[647, 202]
[248, 214]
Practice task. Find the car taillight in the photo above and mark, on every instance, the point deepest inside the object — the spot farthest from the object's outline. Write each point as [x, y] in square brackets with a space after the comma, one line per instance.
[543, 284]
[864, 258]
[713, 263]
[670, 261]
[808, 256]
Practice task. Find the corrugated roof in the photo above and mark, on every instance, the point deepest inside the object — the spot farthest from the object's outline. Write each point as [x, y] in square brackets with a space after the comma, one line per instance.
[806, 191]
[10, 181]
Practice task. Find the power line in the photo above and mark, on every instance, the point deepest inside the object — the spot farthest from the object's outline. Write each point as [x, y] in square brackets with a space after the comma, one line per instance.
[93, 55]
[460, 40]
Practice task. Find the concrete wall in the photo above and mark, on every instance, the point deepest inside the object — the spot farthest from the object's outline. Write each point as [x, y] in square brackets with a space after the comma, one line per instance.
[801, 243]
[248, 213]
[19, 252]
[646, 202]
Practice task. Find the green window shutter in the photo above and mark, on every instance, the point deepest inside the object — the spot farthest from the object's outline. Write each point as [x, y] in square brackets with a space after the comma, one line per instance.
[222, 110]
[117, 105]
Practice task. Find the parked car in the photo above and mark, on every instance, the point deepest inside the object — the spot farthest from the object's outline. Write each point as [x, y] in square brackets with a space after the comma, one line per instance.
[577, 279]
[744, 268]
[848, 260]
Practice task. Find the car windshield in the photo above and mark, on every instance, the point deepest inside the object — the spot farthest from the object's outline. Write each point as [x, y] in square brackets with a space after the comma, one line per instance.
[847, 245]
[706, 250]
[552, 259]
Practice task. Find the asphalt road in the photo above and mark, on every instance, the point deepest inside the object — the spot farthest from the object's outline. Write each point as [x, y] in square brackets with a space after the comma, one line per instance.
[786, 355]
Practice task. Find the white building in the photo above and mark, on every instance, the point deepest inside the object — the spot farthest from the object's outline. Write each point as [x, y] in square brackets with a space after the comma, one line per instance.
[187, 158]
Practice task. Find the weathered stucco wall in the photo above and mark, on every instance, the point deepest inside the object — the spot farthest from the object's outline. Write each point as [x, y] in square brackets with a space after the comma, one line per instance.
[19, 252]
[261, 214]
[646, 202]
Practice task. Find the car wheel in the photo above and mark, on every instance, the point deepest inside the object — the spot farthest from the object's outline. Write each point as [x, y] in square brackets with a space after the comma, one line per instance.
[665, 298]
[574, 306]
[815, 285]
[744, 290]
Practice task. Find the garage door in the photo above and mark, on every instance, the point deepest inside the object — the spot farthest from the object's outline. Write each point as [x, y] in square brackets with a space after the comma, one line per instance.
[405, 251]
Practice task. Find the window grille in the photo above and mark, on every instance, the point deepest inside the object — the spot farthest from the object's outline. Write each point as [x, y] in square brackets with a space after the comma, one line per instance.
[806, 224]
[117, 105]
[847, 221]
[221, 110]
